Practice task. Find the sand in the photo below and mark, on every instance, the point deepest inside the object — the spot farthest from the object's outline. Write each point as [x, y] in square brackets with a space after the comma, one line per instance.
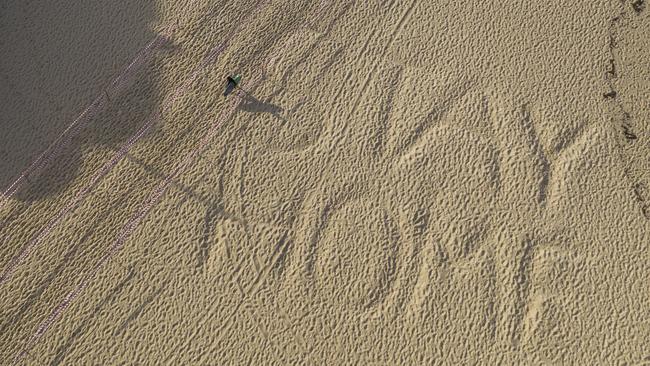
[403, 182]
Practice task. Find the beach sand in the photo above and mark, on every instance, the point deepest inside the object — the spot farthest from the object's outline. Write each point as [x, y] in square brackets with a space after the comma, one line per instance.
[400, 182]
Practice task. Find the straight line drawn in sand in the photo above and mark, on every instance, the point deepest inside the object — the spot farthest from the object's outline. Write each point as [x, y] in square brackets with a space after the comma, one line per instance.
[361, 53]
[81, 195]
[378, 61]
[128, 229]
[402, 147]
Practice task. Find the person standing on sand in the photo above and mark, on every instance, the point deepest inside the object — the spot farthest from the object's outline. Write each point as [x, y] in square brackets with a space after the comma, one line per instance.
[233, 83]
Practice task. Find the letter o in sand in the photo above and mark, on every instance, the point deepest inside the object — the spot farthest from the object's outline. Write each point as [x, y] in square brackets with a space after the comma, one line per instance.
[355, 256]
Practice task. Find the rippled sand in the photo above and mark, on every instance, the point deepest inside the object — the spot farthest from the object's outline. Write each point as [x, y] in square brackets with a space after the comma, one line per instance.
[402, 182]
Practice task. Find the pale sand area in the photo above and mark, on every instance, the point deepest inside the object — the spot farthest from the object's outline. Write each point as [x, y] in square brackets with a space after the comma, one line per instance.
[414, 182]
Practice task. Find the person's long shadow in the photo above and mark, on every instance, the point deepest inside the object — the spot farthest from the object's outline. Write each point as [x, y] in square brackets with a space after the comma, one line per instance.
[254, 105]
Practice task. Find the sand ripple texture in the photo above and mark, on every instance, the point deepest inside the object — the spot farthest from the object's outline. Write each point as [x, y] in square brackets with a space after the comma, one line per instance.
[411, 183]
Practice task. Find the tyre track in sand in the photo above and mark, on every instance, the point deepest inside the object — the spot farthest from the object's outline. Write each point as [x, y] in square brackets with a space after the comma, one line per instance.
[118, 85]
[58, 311]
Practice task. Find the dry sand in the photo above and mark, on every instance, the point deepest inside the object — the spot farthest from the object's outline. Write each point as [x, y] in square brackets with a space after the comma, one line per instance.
[413, 182]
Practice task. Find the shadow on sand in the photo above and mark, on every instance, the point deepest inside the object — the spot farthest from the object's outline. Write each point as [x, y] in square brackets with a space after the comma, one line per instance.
[56, 65]
[253, 105]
